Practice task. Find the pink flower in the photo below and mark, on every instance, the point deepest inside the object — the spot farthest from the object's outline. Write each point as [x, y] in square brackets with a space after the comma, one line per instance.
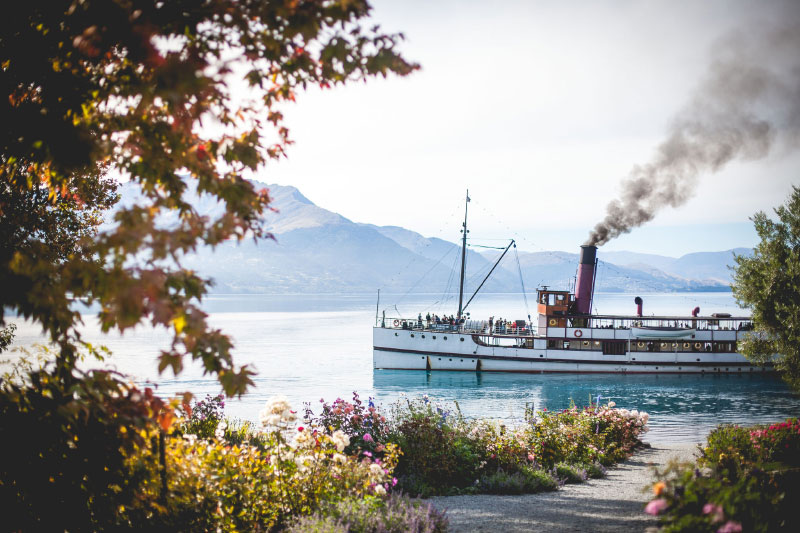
[730, 527]
[367, 437]
[300, 428]
[656, 507]
[716, 512]
[531, 457]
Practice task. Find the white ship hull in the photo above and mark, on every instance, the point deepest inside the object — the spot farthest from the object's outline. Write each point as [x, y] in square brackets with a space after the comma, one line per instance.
[427, 350]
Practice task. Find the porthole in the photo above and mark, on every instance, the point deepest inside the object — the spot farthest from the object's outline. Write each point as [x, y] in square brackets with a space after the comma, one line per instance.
[461, 360]
[434, 337]
[462, 339]
[445, 337]
[597, 343]
[586, 343]
[395, 334]
[674, 344]
[686, 345]
[440, 359]
[450, 359]
[640, 344]
[698, 360]
[633, 358]
[412, 334]
[423, 336]
[541, 355]
[663, 344]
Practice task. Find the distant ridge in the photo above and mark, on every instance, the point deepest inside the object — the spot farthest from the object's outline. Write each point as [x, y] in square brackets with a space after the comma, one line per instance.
[320, 251]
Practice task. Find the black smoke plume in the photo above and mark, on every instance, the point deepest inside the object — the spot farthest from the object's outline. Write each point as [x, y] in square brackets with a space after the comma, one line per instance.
[748, 103]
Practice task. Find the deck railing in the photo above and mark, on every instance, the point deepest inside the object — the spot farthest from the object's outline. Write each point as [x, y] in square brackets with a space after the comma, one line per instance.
[481, 327]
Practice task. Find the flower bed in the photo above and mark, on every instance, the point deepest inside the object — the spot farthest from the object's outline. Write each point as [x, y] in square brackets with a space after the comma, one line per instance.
[746, 479]
[137, 462]
[445, 453]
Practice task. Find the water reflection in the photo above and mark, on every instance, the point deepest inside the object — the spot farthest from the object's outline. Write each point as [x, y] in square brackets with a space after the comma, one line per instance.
[683, 408]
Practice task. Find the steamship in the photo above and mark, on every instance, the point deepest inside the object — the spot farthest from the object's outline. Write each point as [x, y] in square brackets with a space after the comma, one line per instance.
[566, 337]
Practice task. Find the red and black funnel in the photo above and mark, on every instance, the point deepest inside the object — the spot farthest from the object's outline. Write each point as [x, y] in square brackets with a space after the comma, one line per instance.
[584, 287]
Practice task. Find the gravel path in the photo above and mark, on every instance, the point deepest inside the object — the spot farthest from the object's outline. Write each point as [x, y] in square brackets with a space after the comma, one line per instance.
[612, 504]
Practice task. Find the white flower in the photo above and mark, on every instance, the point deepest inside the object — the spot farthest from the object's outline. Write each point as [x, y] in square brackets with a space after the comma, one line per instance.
[219, 433]
[190, 437]
[339, 458]
[379, 490]
[303, 437]
[277, 411]
[612, 404]
[340, 440]
[303, 460]
[376, 472]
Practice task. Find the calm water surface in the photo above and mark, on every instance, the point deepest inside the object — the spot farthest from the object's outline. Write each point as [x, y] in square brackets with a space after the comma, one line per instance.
[312, 347]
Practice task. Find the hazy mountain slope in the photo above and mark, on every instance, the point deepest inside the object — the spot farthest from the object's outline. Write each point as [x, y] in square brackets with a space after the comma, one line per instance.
[708, 265]
[318, 251]
[661, 262]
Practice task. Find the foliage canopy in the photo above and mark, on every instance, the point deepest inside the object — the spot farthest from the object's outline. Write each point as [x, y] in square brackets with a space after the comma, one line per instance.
[174, 95]
[768, 283]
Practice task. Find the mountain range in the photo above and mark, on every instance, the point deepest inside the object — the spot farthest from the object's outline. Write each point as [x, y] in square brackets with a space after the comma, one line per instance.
[316, 250]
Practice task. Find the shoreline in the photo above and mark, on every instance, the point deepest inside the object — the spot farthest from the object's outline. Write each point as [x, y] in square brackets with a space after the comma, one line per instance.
[613, 504]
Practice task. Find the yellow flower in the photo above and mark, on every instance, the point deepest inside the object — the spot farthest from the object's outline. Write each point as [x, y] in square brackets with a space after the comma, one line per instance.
[659, 487]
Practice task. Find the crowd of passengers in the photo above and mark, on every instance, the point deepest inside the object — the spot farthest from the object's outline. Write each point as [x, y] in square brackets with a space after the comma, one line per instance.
[451, 323]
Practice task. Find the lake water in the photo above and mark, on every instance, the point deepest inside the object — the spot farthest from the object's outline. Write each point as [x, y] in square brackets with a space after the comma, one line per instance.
[313, 347]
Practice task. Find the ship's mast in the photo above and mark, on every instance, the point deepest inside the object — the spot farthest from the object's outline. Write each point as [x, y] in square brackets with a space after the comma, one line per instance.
[463, 259]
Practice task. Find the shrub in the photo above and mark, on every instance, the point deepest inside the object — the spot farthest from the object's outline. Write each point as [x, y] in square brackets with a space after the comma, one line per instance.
[584, 436]
[397, 514]
[525, 480]
[365, 425]
[691, 500]
[444, 453]
[595, 470]
[777, 443]
[438, 452]
[749, 483]
[293, 471]
[202, 418]
[68, 466]
[571, 473]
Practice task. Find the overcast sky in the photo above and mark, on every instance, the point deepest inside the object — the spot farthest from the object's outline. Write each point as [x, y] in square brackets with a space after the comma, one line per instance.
[540, 108]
